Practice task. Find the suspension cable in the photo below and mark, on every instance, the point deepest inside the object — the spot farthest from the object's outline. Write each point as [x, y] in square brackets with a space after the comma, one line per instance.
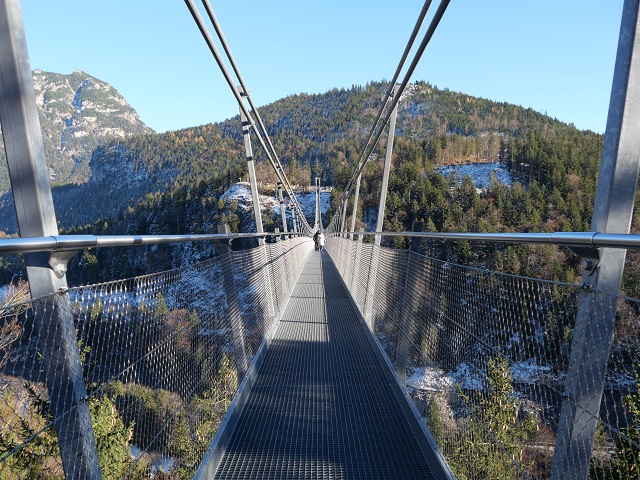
[216, 54]
[418, 55]
[388, 94]
[234, 66]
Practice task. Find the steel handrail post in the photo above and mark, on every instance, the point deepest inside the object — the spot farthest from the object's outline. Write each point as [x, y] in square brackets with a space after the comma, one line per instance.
[235, 316]
[613, 212]
[407, 317]
[36, 217]
[253, 183]
[386, 170]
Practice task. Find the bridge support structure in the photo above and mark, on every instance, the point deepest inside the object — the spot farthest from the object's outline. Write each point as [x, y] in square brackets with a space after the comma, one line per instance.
[231, 293]
[354, 212]
[387, 169]
[36, 217]
[255, 196]
[283, 209]
[318, 224]
[613, 211]
[343, 217]
[368, 307]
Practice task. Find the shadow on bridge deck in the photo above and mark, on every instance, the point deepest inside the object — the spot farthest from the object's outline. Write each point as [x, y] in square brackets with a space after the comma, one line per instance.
[322, 405]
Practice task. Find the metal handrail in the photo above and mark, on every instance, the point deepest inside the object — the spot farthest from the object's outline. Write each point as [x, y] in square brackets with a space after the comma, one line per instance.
[62, 243]
[569, 239]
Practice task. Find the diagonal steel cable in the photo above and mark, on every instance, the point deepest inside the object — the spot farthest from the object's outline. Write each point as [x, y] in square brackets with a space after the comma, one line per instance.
[218, 58]
[234, 66]
[414, 63]
[388, 94]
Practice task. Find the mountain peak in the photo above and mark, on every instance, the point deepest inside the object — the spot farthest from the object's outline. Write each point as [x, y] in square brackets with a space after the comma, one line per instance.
[77, 113]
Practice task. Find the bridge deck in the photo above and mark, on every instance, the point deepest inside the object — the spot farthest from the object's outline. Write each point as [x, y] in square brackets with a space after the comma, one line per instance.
[322, 406]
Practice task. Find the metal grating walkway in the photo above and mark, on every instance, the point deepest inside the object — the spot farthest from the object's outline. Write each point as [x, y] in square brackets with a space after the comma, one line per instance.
[321, 406]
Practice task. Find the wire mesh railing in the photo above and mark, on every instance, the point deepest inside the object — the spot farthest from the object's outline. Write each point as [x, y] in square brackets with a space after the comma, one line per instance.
[485, 358]
[162, 357]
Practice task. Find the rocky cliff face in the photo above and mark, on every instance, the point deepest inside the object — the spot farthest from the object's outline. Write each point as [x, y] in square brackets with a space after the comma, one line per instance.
[77, 113]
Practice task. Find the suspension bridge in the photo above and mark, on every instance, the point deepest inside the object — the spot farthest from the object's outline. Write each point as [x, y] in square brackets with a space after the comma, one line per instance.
[281, 361]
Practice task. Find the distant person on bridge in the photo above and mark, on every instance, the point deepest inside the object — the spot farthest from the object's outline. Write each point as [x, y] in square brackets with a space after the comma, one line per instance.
[315, 238]
[321, 241]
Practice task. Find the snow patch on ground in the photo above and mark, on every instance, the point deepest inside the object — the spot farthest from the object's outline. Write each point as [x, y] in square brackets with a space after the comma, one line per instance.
[530, 372]
[159, 462]
[480, 173]
[241, 192]
[435, 379]
[469, 378]
[430, 379]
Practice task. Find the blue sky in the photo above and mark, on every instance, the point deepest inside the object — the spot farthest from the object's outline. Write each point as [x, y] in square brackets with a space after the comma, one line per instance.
[555, 56]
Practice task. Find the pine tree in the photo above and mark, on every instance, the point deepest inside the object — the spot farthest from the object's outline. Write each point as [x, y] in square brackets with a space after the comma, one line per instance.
[626, 460]
[435, 423]
[494, 440]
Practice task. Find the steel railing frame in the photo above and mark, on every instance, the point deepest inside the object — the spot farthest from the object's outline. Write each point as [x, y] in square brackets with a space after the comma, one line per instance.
[272, 277]
[74, 243]
[567, 239]
[346, 254]
[66, 243]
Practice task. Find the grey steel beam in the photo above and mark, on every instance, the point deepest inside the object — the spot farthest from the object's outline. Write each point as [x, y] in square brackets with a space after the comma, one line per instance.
[66, 243]
[63, 243]
[568, 239]
[387, 168]
[343, 217]
[318, 224]
[613, 211]
[255, 196]
[29, 177]
[407, 317]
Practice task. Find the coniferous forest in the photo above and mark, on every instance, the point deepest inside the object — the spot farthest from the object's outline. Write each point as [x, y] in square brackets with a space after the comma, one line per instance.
[172, 182]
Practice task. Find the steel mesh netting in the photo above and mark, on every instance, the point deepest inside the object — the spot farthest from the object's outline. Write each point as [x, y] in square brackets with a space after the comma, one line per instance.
[486, 357]
[390, 268]
[286, 259]
[354, 262]
[28, 442]
[160, 358]
[258, 273]
[257, 310]
[278, 267]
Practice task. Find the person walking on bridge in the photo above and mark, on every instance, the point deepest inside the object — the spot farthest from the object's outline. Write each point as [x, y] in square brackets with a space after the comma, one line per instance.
[321, 241]
[315, 239]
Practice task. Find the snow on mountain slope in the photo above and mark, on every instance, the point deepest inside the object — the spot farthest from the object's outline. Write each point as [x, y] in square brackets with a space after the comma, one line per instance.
[480, 173]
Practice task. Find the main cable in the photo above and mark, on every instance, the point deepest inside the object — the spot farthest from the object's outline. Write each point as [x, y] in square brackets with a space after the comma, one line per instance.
[388, 95]
[216, 54]
[414, 63]
[234, 66]
[227, 50]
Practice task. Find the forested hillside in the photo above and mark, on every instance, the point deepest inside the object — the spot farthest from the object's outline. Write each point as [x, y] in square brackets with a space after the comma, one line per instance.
[171, 182]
